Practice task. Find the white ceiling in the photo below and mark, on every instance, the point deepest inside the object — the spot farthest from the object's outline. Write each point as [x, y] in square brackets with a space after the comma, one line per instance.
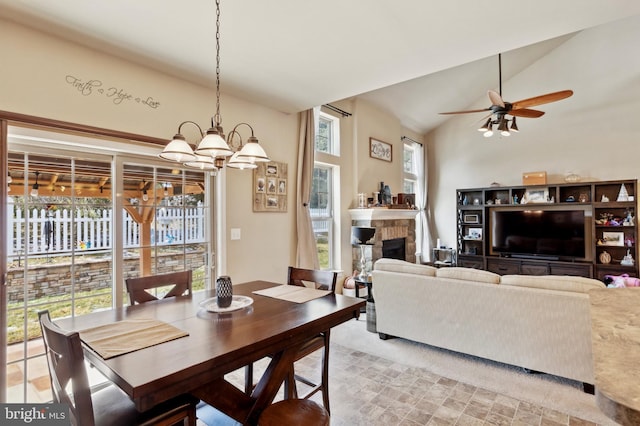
[412, 57]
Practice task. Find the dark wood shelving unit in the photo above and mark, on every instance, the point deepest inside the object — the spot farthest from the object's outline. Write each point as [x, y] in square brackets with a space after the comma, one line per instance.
[600, 199]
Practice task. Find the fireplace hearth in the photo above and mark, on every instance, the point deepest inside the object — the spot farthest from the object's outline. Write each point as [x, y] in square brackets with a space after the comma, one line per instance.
[395, 235]
[394, 248]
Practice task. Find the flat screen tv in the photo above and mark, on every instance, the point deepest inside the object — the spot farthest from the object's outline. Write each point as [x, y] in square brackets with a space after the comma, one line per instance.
[547, 232]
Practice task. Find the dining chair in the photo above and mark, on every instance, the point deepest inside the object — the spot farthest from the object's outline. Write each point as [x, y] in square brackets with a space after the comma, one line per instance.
[321, 280]
[108, 406]
[137, 287]
[294, 412]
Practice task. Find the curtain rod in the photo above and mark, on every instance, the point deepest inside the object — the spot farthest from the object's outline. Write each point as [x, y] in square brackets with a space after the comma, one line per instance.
[338, 110]
[410, 140]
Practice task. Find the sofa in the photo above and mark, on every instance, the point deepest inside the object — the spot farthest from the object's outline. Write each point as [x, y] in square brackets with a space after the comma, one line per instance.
[540, 323]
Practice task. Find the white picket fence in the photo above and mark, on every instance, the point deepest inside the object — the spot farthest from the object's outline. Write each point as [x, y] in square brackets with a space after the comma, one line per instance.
[41, 231]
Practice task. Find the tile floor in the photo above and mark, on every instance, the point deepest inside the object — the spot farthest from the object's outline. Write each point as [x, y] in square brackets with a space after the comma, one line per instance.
[370, 390]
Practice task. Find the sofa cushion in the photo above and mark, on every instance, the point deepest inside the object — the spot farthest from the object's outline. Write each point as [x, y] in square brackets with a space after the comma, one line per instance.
[395, 265]
[553, 282]
[468, 274]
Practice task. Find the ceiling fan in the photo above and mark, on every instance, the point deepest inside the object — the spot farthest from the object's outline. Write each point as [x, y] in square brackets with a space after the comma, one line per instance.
[499, 109]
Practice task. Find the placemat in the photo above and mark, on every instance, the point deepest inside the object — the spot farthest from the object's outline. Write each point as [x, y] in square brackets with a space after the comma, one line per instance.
[292, 293]
[126, 336]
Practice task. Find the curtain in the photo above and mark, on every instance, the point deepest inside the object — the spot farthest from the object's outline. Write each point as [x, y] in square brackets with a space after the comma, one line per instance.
[423, 230]
[306, 251]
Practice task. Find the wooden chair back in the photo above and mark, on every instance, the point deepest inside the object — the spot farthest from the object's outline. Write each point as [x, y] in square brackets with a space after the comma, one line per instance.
[137, 287]
[66, 366]
[323, 280]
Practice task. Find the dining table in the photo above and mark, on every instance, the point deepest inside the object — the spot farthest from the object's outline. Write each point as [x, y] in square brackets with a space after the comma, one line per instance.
[209, 344]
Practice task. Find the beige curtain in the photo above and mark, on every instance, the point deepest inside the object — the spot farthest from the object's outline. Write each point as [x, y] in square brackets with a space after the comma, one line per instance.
[306, 252]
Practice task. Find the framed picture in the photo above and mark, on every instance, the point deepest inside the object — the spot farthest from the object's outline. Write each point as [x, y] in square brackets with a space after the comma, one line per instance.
[282, 187]
[536, 195]
[270, 187]
[471, 218]
[380, 150]
[475, 234]
[613, 239]
[272, 170]
[260, 184]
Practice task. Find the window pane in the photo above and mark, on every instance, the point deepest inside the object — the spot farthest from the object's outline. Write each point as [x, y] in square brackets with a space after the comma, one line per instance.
[321, 213]
[409, 187]
[322, 233]
[409, 166]
[324, 136]
[320, 193]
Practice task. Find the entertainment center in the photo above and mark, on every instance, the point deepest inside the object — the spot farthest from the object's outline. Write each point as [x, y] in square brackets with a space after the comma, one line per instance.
[583, 228]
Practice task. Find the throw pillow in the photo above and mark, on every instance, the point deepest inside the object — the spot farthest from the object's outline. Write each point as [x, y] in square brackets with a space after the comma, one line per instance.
[395, 265]
[553, 282]
[468, 274]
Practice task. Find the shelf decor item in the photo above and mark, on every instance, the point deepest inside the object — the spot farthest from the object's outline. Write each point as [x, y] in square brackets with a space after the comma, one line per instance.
[536, 195]
[623, 195]
[613, 239]
[475, 234]
[471, 218]
[605, 258]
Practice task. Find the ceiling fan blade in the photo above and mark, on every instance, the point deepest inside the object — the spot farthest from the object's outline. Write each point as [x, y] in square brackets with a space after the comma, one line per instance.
[465, 112]
[542, 99]
[495, 98]
[525, 112]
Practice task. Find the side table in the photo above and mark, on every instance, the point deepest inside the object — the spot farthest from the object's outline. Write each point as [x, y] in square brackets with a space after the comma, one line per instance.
[444, 257]
[359, 285]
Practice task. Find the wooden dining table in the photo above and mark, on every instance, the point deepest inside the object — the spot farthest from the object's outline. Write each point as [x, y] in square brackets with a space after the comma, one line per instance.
[216, 344]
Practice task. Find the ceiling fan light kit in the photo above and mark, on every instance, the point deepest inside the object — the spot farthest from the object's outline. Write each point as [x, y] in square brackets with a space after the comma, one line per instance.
[501, 110]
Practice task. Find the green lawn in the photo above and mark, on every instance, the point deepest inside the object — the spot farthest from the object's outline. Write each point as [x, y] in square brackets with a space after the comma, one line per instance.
[323, 254]
[61, 306]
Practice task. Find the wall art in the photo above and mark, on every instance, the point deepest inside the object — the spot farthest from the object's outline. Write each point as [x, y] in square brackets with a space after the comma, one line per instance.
[380, 150]
[270, 187]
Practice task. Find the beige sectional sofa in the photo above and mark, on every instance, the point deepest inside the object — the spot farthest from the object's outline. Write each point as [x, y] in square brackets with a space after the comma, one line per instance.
[541, 323]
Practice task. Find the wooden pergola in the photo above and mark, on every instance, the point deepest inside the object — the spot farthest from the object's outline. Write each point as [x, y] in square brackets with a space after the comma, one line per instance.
[57, 179]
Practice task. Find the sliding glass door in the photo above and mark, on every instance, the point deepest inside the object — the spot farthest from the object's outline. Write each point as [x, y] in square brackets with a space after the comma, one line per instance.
[78, 223]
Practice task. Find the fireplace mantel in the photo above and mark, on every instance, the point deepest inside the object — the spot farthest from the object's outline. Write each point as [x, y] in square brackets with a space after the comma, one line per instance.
[382, 214]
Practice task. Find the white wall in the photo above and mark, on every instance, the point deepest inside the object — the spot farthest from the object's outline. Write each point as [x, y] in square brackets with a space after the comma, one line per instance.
[33, 80]
[595, 133]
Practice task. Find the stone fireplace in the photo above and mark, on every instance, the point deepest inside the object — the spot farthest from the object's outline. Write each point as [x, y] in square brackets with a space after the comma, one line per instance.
[393, 227]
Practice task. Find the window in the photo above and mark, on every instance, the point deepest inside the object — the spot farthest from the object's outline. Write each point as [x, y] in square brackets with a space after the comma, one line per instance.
[328, 134]
[322, 214]
[410, 181]
[325, 190]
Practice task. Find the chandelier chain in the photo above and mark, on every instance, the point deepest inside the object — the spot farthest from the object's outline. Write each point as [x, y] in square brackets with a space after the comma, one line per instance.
[218, 118]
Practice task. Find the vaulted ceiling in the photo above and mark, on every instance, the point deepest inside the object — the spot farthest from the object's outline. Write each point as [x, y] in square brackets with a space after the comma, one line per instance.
[413, 58]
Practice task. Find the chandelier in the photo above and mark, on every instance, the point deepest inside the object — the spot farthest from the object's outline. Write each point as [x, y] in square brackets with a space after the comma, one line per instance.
[212, 151]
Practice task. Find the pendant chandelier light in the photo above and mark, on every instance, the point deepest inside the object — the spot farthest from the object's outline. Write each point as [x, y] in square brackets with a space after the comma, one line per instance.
[213, 149]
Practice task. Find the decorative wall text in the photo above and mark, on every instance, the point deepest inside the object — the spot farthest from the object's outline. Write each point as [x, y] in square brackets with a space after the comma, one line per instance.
[117, 95]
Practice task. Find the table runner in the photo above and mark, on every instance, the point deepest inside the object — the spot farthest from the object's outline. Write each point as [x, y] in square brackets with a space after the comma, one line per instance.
[130, 335]
[292, 293]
